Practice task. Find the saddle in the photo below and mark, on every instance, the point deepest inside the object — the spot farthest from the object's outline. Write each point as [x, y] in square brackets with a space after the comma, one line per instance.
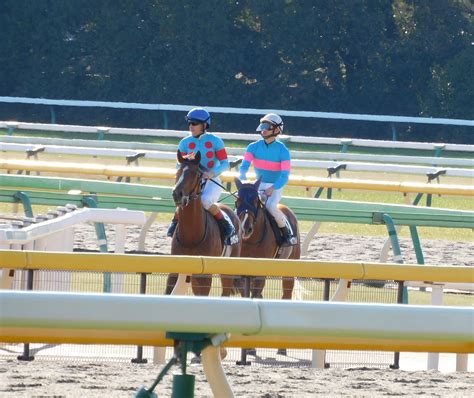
[277, 232]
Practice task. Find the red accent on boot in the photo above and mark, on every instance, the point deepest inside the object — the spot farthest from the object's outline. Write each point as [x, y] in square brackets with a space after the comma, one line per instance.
[219, 216]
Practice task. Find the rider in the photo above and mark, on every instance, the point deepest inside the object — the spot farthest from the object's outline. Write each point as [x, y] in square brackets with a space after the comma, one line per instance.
[272, 164]
[213, 160]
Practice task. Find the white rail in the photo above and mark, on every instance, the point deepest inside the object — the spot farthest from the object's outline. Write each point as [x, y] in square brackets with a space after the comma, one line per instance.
[13, 125]
[240, 111]
[57, 234]
[396, 324]
[168, 151]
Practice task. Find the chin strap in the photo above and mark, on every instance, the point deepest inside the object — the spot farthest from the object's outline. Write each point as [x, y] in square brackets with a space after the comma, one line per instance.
[203, 132]
[271, 135]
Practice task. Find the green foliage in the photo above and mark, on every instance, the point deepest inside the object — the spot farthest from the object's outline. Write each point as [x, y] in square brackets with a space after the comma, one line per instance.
[367, 56]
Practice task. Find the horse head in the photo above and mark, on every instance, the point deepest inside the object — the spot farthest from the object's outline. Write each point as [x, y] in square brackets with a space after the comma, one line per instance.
[247, 205]
[188, 179]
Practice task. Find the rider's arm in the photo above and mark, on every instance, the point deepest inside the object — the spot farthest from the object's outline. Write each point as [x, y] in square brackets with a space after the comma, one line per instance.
[221, 155]
[244, 167]
[183, 149]
[285, 167]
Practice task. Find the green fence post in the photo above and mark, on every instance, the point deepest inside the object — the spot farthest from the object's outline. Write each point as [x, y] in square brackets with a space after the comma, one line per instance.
[101, 132]
[345, 144]
[53, 115]
[403, 292]
[417, 245]
[394, 132]
[11, 127]
[89, 201]
[319, 192]
[438, 150]
[25, 201]
[397, 253]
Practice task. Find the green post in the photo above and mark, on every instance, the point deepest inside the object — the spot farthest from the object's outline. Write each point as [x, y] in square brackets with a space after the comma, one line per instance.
[183, 386]
[11, 127]
[394, 132]
[397, 253]
[89, 201]
[345, 145]
[102, 131]
[417, 245]
[53, 115]
[25, 201]
[438, 150]
[319, 192]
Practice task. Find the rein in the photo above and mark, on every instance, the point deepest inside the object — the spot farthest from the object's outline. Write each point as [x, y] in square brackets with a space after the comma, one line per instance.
[246, 207]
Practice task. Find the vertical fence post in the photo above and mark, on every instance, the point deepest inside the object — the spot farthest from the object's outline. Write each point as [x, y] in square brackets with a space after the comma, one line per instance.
[26, 347]
[243, 352]
[139, 358]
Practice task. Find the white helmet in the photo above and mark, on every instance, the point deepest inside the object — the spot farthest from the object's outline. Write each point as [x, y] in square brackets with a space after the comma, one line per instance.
[270, 121]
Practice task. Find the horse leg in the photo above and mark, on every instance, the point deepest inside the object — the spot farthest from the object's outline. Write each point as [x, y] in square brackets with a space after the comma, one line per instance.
[231, 285]
[170, 283]
[201, 284]
[287, 284]
[258, 283]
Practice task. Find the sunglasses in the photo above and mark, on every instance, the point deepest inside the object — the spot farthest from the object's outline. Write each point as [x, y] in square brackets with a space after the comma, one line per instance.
[265, 127]
[194, 123]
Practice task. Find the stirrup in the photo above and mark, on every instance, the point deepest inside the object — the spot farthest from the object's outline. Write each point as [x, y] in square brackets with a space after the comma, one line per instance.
[288, 239]
[226, 227]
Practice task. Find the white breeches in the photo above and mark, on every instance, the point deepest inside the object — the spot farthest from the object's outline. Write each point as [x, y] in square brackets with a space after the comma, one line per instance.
[211, 193]
[272, 204]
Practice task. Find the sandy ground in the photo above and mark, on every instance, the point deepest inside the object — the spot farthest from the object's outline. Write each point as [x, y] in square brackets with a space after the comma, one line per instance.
[89, 380]
[46, 379]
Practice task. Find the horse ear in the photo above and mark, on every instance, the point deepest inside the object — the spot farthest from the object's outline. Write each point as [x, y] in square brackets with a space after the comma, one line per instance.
[238, 183]
[197, 158]
[180, 157]
[257, 183]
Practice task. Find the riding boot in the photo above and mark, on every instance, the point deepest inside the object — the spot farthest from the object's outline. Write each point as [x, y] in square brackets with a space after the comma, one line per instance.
[172, 227]
[226, 227]
[287, 238]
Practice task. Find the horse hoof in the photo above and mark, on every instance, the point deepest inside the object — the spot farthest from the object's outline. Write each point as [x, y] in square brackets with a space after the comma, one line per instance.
[195, 360]
[282, 351]
[252, 351]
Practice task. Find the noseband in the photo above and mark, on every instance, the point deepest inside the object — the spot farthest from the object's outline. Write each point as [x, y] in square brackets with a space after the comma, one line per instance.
[246, 207]
[195, 192]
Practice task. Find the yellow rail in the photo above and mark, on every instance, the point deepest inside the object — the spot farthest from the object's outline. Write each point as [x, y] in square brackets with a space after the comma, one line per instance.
[302, 181]
[99, 262]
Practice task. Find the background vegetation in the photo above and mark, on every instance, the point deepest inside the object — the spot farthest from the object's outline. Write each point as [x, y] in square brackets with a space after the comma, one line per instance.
[392, 57]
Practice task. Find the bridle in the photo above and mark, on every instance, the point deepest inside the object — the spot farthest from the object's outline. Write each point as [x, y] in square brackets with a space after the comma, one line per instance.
[195, 192]
[246, 207]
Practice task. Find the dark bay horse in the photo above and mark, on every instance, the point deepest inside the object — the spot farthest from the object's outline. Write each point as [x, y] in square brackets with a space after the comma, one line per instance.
[258, 239]
[198, 233]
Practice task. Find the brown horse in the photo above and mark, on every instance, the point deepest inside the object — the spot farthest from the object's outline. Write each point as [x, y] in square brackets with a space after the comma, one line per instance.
[198, 233]
[258, 239]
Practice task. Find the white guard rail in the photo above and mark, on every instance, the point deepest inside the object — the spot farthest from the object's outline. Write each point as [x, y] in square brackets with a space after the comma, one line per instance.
[57, 234]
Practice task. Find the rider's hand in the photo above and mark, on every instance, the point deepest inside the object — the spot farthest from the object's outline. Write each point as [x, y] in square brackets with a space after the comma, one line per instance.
[269, 191]
[207, 175]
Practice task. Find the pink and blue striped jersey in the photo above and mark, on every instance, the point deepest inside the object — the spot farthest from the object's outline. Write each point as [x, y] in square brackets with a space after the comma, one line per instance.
[213, 153]
[271, 162]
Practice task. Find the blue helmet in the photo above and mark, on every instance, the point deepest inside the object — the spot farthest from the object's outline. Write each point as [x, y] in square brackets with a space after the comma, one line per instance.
[199, 115]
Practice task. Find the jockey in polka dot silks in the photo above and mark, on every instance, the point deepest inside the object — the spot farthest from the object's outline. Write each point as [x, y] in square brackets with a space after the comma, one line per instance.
[272, 164]
[213, 160]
